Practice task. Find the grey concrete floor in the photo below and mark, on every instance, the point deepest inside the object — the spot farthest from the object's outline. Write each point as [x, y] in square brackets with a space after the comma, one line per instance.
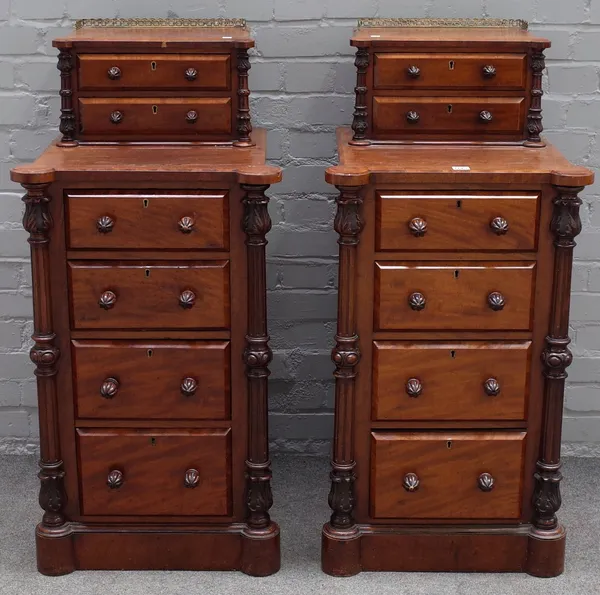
[300, 490]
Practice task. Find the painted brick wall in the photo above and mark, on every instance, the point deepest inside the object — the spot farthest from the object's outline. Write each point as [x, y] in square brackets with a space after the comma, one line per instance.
[302, 81]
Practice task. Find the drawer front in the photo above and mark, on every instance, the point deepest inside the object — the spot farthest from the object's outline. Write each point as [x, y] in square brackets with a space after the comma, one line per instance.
[141, 380]
[208, 72]
[437, 71]
[452, 115]
[149, 295]
[187, 117]
[178, 220]
[414, 221]
[155, 472]
[453, 296]
[450, 381]
[447, 475]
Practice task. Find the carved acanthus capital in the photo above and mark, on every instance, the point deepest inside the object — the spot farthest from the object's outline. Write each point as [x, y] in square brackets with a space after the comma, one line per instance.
[566, 222]
[547, 499]
[256, 222]
[259, 497]
[52, 497]
[37, 219]
[348, 222]
[65, 61]
[341, 495]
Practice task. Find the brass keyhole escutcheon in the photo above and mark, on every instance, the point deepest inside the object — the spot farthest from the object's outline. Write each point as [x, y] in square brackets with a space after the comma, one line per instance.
[145, 203]
[155, 109]
[153, 65]
[451, 65]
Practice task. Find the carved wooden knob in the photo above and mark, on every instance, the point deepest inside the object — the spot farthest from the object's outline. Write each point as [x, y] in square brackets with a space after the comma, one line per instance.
[412, 117]
[491, 387]
[496, 301]
[108, 300]
[109, 388]
[191, 116]
[411, 482]
[499, 225]
[116, 117]
[191, 74]
[416, 301]
[414, 387]
[414, 71]
[489, 71]
[105, 224]
[486, 482]
[187, 299]
[114, 73]
[186, 225]
[191, 479]
[115, 479]
[418, 227]
[486, 116]
[188, 387]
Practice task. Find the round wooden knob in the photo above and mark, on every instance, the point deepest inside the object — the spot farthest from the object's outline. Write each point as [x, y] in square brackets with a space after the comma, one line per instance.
[489, 71]
[412, 117]
[191, 74]
[499, 225]
[414, 388]
[416, 301]
[108, 300]
[114, 73]
[109, 388]
[191, 116]
[418, 227]
[491, 387]
[105, 224]
[486, 482]
[115, 479]
[485, 116]
[186, 225]
[411, 482]
[191, 479]
[116, 117]
[496, 301]
[187, 299]
[189, 387]
[414, 71]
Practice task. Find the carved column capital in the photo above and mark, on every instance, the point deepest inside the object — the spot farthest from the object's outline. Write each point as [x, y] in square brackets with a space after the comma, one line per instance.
[566, 222]
[37, 219]
[348, 222]
[257, 221]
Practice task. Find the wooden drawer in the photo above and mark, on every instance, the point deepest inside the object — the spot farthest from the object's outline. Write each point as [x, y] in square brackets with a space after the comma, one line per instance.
[176, 220]
[447, 475]
[438, 71]
[155, 472]
[452, 115]
[207, 72]
[429, 221]
[450, 381]
[149, 295]
[160, 380]
[147, 117]
[454, 296]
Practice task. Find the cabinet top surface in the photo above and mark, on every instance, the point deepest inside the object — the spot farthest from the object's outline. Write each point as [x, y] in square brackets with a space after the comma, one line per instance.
[453, 164]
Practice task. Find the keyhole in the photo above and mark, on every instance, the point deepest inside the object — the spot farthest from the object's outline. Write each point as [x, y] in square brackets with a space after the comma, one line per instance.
[459, 204]
[449, 109]
[451, 64]
[155, 109]
[149, 352]
[147, 273]
[453, 354]
[153, 65]
[449, 444]
[456, 273]
[153, 441]
[145, 202]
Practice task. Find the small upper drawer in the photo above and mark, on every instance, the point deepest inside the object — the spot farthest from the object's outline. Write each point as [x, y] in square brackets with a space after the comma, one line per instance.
[447, 475]
[152, 380]
[453, 296]
[187, 117]
[155, 472]
[451, 115]
[149, 295]
[421, 381]
[177, 220]
[426, 221]
[210, 72]
[461, 71]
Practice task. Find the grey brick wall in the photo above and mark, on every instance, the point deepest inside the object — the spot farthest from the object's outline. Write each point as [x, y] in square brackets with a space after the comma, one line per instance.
[302, 81]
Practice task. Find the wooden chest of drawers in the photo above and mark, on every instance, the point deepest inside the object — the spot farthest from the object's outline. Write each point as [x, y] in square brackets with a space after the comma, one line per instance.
[452, 341]
[150, 343]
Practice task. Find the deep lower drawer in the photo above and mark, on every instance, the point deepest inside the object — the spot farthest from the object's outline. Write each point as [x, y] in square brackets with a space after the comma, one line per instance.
[425, 381]
[155, 472]
[175, 220]
[152, 380]
[447, 475]
[149, 295]
[454, 295]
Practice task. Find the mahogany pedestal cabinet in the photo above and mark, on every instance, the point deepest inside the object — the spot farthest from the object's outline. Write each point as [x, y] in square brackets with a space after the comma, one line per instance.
[456, 224]
[150, 343]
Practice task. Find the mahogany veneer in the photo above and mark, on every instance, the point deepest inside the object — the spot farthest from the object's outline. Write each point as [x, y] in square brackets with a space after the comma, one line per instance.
[150, 336]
